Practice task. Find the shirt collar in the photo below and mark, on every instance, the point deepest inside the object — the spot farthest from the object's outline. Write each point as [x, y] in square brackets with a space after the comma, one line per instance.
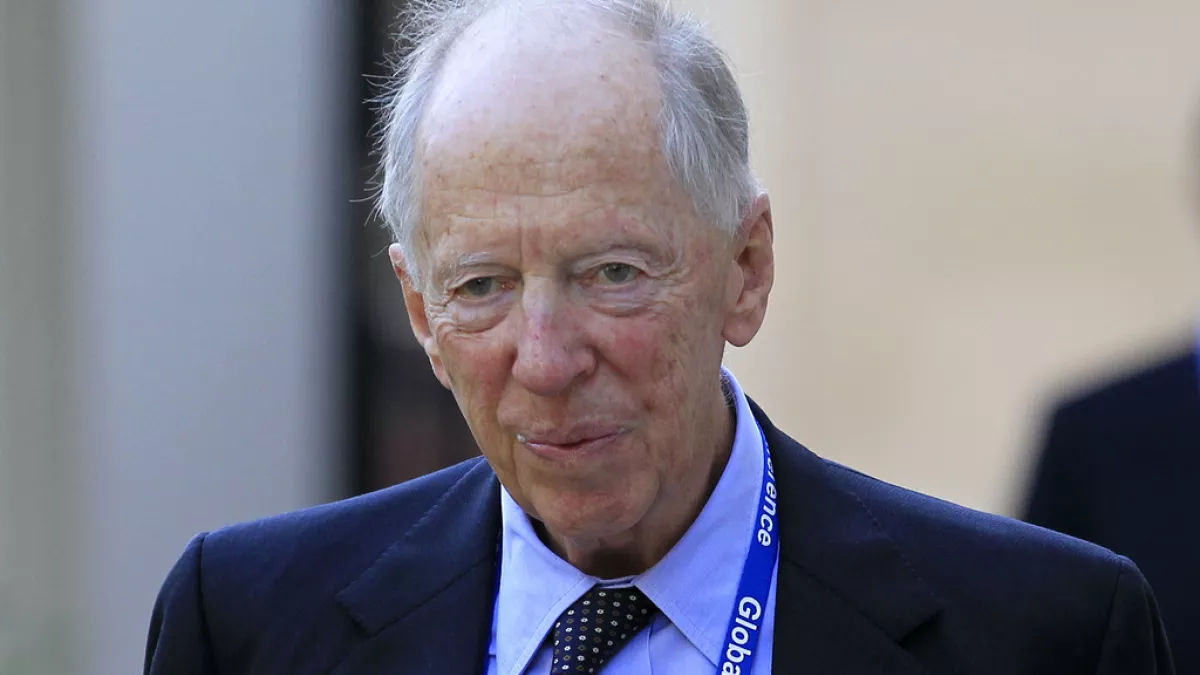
[695, 594]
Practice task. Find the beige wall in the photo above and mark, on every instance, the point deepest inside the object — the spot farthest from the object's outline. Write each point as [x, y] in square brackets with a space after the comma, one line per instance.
[976, 204]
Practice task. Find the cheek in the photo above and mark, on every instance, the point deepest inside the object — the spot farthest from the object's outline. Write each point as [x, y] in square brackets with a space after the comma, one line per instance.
[657, 353]
[477, 365]
[478, 372]
[634, 345]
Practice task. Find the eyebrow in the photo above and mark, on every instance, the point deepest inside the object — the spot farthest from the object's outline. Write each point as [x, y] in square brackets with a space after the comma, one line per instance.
[616, 246]
[460, 264]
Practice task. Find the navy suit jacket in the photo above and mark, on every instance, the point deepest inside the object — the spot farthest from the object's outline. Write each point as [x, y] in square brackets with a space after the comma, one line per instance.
[873, 580]
[1119, 467]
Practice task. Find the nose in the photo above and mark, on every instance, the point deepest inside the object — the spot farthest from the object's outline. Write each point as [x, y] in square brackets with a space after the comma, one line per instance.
[552, 351]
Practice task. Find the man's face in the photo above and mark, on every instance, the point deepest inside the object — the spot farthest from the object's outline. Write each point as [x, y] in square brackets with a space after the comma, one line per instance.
[573, 301]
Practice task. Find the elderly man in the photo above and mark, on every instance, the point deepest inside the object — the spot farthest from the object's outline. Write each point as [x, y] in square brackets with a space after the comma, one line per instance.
[579, 234]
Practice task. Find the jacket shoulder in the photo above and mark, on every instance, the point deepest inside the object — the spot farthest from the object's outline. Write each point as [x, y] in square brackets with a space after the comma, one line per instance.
[986, 565]
[319, 540]
[1042, 599]
[384, 515]
[294, 564]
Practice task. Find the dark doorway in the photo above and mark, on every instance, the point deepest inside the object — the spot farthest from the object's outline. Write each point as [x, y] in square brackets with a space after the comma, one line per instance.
[405, 424]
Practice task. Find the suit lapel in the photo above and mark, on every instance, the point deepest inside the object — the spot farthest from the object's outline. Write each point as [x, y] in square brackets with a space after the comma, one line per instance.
[425, 606]
[846, 598]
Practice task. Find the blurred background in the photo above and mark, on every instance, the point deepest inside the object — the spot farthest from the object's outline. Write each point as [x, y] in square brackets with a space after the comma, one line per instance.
[978, 208]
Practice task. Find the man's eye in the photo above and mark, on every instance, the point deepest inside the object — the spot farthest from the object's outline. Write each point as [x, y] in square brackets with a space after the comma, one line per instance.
[479, 287]
[617, 273]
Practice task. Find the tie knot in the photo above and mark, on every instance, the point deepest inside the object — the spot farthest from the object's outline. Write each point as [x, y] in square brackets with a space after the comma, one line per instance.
[596, 626]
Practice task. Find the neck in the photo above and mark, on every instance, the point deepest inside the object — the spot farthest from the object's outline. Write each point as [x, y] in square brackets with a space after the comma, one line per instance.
[638, 549]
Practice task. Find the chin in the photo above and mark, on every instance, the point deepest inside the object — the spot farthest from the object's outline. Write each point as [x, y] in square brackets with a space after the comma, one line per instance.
[588, 515]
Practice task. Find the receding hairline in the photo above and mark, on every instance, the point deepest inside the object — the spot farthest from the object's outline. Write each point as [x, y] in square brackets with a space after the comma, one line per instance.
[642, 95]
[644, 89]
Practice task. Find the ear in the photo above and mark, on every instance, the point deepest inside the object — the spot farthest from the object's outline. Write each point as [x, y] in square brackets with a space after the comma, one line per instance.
[414, 302]
[750, 282]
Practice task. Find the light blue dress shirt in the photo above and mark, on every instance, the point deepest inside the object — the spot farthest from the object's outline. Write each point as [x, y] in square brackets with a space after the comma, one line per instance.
[694, 585]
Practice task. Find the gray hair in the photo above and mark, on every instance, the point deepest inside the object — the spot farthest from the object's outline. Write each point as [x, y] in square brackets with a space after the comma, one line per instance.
[703, 122]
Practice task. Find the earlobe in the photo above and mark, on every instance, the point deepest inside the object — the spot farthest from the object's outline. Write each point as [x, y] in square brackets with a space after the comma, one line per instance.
[754, 258]
[414, 304]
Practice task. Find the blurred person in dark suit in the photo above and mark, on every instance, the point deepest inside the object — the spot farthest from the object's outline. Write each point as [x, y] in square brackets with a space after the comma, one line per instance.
[1119, 467]
[578, 236]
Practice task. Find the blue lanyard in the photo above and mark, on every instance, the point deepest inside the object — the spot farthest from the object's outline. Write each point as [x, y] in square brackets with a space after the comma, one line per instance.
[750, 608]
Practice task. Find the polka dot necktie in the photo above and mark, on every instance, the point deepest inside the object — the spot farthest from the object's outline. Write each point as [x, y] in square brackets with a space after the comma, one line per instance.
[595, 628]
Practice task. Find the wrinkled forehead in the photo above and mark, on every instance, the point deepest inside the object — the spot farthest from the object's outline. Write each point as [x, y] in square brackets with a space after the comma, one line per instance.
[530, 101]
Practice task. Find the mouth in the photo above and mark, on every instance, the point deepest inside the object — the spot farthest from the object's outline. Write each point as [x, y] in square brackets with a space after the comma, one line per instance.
[558, 445]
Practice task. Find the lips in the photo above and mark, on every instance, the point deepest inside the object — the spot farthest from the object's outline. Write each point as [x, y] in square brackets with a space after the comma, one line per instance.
[555, 443]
